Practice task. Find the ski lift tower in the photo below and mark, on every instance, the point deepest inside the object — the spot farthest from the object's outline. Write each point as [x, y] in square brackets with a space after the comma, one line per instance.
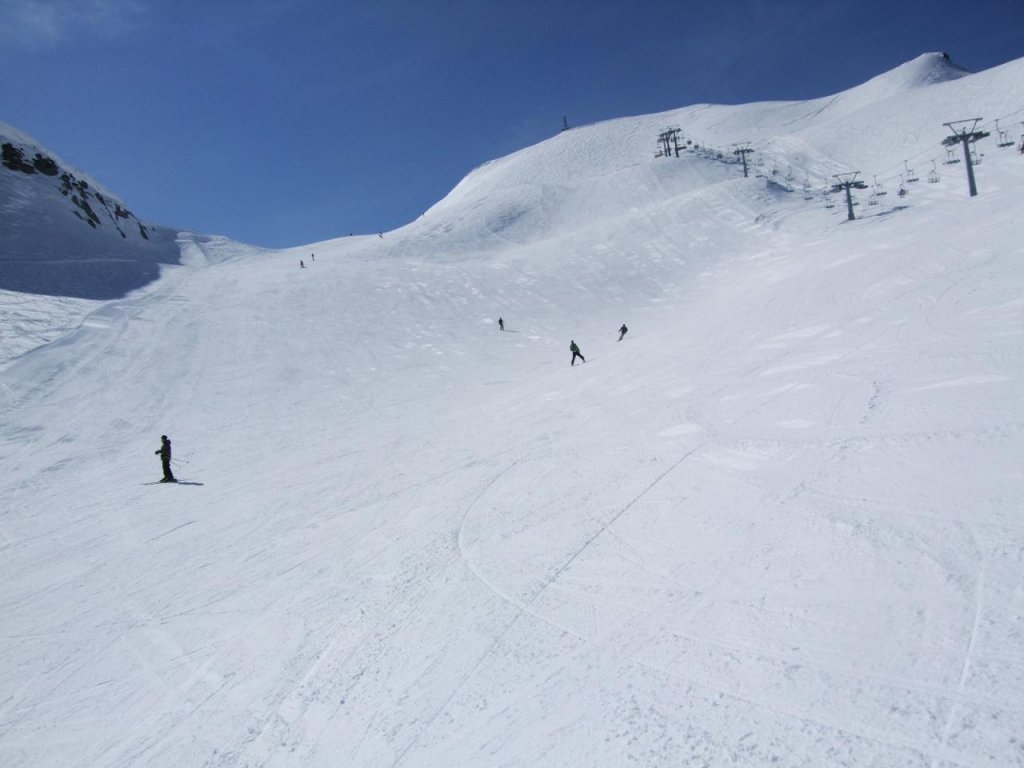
[669, 140]
[743, 151]
[844, 183]
[966, 135]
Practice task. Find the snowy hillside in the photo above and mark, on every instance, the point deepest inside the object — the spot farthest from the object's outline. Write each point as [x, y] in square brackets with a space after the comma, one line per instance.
[65, 241]
[779, 523]
[65, 235]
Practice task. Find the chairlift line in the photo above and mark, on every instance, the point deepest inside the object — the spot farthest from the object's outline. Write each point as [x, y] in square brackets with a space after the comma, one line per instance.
[966, 136]
[844, 183]
[1004, 137]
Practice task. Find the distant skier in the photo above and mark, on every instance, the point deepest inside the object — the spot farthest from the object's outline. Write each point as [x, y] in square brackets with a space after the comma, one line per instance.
[165, 458]
[312, 256]
[302, 264]
[622, 331]
[501, 324]
[575, 352]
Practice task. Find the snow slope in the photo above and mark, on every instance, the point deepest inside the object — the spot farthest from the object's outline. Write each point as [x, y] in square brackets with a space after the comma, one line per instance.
[65, 235]
[779, 523]
[65, 243]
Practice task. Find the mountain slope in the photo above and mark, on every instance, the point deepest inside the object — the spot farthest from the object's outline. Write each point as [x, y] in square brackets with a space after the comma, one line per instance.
[65, 235]
[777, 524]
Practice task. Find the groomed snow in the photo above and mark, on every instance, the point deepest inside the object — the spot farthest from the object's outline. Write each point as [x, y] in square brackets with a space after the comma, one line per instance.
[778, 524]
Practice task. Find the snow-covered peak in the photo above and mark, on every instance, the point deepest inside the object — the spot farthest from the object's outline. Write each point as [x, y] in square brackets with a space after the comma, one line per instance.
[926, 69]
[29, 147]
[604, 168]
[65, 234]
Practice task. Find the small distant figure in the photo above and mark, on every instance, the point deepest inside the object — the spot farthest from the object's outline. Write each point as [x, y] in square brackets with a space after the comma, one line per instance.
[623, 331]
[165, 459]
[302, 264]
[312, 256]
[575, 352]
[380, 235]
[501, 324]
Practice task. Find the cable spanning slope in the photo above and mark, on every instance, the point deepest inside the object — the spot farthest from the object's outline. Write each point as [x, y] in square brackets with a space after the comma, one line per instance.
[777, 524]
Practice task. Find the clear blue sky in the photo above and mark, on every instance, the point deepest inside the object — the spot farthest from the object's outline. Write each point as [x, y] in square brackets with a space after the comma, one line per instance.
[283, 122]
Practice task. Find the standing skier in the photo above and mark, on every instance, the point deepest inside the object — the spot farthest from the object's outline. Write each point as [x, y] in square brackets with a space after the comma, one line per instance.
[622, 331]
[301, 264]
[165, 458]
[501, 324]
[575, 352]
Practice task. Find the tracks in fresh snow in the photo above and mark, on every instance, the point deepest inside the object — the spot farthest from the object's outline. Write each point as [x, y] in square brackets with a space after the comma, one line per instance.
[523, 608]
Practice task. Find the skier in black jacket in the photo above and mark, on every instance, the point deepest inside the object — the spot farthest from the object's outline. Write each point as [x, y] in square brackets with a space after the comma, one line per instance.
[575, 352]
[165, 458]
[622, 331]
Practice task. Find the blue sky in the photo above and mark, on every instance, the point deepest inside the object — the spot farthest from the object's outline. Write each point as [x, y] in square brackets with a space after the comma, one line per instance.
[284, 122]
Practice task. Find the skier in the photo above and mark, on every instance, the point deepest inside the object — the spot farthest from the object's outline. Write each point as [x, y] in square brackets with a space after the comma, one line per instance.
[312, 256]
[301, 264]
[575, 352]
[622, 331]
[501, 324]
[165, 458]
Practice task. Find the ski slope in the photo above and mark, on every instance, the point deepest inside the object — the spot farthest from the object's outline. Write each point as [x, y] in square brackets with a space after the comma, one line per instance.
[778, 524]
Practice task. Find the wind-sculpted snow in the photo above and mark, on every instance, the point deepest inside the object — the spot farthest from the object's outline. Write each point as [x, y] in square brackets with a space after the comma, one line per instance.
[777, 524]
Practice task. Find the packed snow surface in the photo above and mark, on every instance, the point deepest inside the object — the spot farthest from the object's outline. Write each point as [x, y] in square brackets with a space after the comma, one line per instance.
[779, 523]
